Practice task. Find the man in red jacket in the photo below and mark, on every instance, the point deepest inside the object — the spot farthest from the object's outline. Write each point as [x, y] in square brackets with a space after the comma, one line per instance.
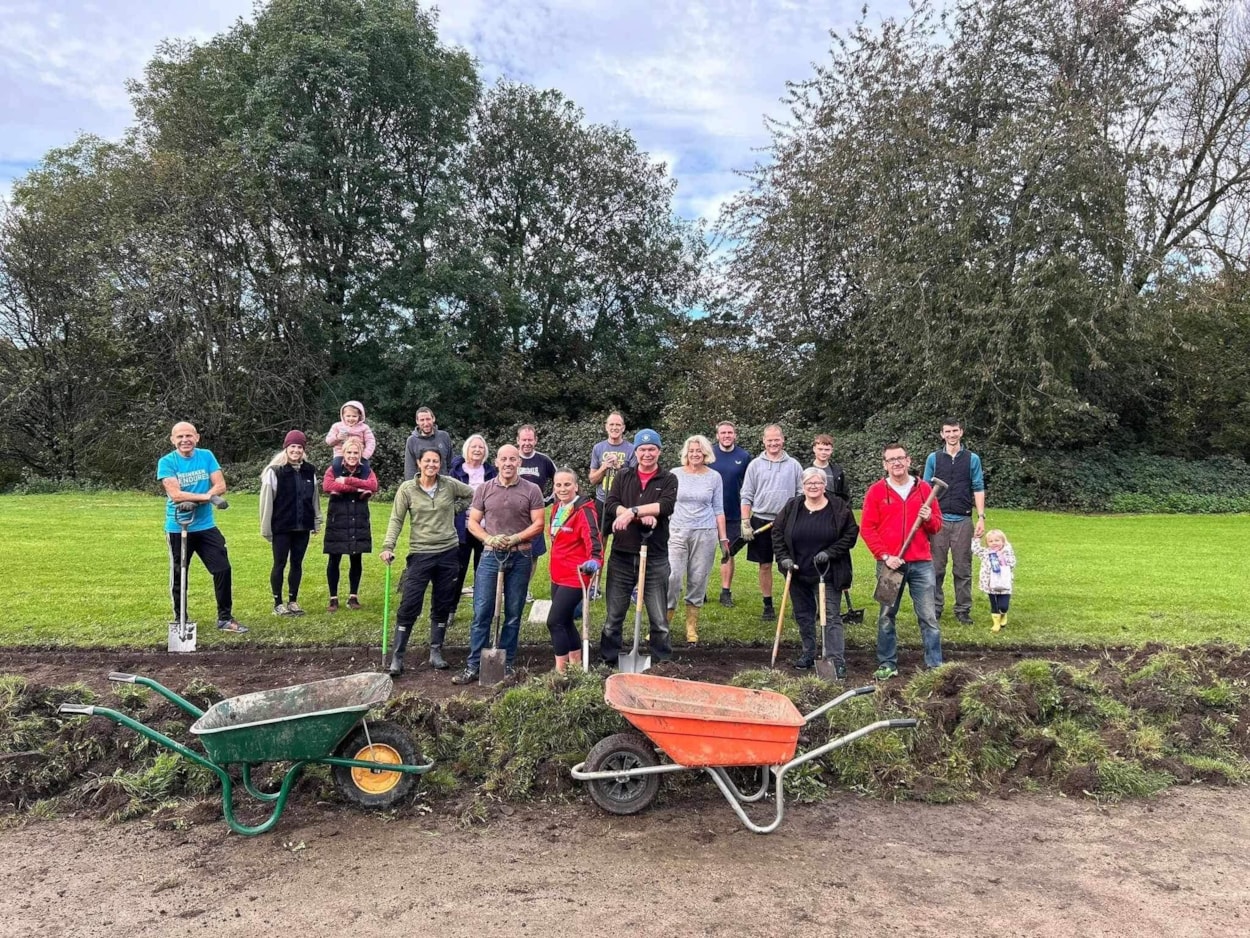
[891, 506]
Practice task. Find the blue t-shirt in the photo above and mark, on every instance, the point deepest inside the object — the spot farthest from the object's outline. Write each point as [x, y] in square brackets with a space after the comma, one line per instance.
[596, 460]
[732, 467]
[194, 474]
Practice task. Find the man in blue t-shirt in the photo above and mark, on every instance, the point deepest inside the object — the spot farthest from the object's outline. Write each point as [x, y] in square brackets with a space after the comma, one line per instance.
[730, 460]
[192, 477]
[960, 469]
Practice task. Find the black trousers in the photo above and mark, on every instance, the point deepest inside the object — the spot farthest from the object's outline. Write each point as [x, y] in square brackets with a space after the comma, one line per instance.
[287, 545]
[422, 570]
[210, 546]
[355, 568]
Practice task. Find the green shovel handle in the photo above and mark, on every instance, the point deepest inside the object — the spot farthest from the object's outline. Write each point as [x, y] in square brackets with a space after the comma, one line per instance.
[386, 610]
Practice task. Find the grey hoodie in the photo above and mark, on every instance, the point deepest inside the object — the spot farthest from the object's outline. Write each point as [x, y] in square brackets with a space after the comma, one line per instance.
[769, 484]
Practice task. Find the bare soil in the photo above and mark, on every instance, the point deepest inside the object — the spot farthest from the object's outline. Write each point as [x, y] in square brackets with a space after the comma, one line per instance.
[1031, 865]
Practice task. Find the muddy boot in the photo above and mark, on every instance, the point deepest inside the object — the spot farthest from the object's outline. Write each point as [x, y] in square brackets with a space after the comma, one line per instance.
[438, 630]
[669, 615]
[692, 624]
[397, 659]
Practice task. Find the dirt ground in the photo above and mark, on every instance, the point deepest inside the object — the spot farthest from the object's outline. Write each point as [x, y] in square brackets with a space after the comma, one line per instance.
[1031, 865]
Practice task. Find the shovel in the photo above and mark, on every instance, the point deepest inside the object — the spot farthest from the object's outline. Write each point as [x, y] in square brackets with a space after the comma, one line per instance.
[491, 665]
[585, 621]
[633, 663]
[890, 582]
[182, 632]
[740, 542]
[852, 615]
[825, 666]
[781, 617]
[386, 611]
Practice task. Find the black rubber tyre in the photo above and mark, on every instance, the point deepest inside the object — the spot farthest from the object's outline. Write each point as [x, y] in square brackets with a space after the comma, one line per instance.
[374, 788]
[624, 751]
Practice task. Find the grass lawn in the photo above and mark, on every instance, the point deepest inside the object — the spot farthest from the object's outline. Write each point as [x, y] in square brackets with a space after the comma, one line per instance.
[91, 570]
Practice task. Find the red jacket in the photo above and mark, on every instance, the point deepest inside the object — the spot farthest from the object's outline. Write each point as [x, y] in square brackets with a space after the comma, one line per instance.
[886, 519]
[574, 542]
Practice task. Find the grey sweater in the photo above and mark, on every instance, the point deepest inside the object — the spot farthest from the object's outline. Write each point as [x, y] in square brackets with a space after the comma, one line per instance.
[769, 485]
[699, 500]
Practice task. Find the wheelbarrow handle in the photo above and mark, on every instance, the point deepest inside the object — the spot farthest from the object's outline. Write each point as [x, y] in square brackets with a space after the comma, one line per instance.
[846, 695]
[904, 724]
[80, 709]
[121, 677]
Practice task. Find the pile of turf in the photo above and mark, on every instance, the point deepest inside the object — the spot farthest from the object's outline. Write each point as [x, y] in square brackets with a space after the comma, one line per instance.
[1118, 728]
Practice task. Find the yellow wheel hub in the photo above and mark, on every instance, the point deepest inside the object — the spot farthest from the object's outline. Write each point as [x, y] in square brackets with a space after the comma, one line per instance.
[376, 781]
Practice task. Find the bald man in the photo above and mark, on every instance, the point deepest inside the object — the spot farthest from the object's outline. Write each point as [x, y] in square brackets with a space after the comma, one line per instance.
[191, 475]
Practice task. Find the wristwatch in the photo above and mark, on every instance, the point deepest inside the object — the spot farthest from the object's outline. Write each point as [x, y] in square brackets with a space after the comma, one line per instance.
[635, 511]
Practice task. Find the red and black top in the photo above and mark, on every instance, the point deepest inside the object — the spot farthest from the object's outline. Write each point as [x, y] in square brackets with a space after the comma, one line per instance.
[574, 531]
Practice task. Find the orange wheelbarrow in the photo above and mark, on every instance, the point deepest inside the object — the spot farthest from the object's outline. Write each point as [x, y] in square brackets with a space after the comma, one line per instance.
[712, 727]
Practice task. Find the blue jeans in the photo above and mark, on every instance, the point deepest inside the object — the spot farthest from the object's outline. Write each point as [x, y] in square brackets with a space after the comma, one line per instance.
[516, 576]
[919, 579]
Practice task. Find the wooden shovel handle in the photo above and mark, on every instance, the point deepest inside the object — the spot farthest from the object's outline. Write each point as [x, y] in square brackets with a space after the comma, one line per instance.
[781, 617]
[937, 488]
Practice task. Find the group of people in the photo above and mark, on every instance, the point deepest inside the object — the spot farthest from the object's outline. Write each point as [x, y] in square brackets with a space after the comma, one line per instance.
[468, 512]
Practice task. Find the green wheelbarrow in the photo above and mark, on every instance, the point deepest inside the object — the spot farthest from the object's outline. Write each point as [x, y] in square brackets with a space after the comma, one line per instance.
[375, 764]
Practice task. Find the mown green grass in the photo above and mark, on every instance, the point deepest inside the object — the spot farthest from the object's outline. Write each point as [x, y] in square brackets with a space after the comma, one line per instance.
[91, 570]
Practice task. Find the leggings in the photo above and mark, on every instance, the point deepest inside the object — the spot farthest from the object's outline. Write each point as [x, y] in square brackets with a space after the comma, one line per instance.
[999, 602]
[286, 544]
[564, 635]
[354, 568]
[468, 554]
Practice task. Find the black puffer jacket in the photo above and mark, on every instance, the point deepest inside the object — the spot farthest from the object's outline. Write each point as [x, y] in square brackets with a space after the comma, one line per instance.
[348, 529]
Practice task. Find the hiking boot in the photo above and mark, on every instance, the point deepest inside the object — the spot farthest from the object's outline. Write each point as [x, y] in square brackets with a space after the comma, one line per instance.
[467, 676]
[294, 609]
[231, 625]
[333, 604]
[281, 610]
[727, 598]
[885, 672]
[963, 618]
[353, 602]
[804, 663]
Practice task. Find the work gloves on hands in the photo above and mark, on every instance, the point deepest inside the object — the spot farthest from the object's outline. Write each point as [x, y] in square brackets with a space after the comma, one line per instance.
[822, 558]
[219, 503]
[748, 532]
[786, 564]
[589, 568]
[499, 541]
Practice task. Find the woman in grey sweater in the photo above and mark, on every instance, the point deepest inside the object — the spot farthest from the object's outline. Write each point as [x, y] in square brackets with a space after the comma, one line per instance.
[696, 527]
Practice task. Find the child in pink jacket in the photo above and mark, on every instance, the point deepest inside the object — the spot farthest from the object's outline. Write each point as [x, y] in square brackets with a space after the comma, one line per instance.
[351, 423]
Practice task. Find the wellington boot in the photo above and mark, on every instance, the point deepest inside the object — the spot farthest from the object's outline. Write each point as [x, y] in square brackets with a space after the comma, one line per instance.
[437, 632]
[397, 659]
[997, 619]
[1002, 620]
[692, 624]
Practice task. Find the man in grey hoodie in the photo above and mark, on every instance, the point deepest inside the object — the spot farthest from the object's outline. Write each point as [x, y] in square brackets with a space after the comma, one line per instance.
[427, 435]
[772, 479]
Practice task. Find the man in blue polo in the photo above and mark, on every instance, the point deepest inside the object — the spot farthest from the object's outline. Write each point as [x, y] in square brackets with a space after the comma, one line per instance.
[191, 475]
[960, 469]
[731, 462]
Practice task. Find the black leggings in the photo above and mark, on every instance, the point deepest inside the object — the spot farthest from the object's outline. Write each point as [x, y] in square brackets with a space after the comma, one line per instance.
[999, 602]
[564, 635]
[286, 544]
[354, 568]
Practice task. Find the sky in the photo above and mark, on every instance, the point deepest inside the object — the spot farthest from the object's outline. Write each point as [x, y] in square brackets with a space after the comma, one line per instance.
[691, 79]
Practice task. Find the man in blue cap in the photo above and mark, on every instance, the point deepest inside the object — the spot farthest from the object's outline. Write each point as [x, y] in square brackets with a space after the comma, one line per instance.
[639, 503]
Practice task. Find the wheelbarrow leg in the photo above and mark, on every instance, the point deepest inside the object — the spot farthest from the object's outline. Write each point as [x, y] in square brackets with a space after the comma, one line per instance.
[730, 791]
[279, 803]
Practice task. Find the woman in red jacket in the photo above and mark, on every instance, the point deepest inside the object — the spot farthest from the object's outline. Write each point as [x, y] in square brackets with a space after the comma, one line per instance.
[576, 548]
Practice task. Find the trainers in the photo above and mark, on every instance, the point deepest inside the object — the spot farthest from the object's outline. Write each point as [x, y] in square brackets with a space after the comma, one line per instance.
[594, 593]
[467, 676]
[509, 672]
[726, 599]
[529, 597]
[293, 609]
[333, 606]
[768, 615]
[281, 610]
[231, 625]
[467, 591]
[353, 602]
[885, 672]
[804, 664]
[963, 618]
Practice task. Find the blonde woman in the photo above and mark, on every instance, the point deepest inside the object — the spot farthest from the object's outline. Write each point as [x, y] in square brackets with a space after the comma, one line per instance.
[290, 513]
[696, 527]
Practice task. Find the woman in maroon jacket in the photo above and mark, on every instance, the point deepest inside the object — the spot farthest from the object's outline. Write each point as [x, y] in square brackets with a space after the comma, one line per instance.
[349, 482]
[576, 550]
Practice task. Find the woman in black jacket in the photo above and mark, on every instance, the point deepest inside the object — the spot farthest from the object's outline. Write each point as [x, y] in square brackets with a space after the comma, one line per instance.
[812, 540]
[349, 481]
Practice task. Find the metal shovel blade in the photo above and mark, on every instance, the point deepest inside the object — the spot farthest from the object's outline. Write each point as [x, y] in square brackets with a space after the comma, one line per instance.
[825, 667]
[181, 637]
[889, 583]
[634, 663]
[491, 667]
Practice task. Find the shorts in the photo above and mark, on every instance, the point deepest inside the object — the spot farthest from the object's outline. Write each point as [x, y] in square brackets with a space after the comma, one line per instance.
[760, 549]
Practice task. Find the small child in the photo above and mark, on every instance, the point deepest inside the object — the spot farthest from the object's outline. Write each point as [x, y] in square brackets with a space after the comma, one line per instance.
[998, 566]
[351, 423]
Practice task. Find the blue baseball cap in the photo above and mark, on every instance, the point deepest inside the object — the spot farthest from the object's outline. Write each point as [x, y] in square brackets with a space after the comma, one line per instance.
[647, 438]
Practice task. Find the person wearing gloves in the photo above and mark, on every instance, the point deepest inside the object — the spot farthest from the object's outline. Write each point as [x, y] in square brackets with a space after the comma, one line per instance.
[349, 482]
[430, 502]
[772, 479]
[891, 506]
[290, 513]
[576, 551]
[351, 426]
[812, 540]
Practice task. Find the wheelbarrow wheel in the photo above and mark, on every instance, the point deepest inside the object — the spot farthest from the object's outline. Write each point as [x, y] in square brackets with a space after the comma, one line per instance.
[376, 788]
[626, 794]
